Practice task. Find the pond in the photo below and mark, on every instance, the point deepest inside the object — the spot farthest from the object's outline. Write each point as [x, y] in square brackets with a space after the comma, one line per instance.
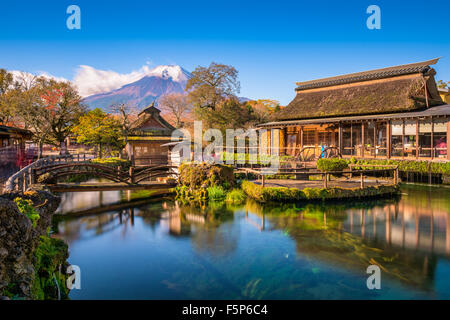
[129, 248]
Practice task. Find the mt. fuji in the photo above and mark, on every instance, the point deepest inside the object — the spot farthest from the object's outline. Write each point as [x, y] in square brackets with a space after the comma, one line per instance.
[157, 82]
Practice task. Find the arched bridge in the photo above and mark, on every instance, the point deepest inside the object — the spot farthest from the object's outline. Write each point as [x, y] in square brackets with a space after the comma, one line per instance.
[49, 171]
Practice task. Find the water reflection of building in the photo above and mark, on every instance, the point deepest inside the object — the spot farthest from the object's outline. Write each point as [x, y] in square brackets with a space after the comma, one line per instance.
[406, 237]
[402, 225]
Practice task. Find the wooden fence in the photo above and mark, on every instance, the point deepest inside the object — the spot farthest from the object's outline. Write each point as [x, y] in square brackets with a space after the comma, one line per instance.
[325, 175]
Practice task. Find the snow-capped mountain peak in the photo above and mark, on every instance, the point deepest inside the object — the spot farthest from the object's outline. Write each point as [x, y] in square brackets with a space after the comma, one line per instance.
[175, 72]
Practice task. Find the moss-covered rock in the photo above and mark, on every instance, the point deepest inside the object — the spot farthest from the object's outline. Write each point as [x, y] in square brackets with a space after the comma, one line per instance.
[20, 242]
[201, 175]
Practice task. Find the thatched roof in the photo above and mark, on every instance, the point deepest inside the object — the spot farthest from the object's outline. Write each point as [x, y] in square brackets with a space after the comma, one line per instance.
[369, 92]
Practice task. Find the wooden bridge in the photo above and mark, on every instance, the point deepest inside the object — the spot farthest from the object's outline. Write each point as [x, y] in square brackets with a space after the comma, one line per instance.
[48, 171]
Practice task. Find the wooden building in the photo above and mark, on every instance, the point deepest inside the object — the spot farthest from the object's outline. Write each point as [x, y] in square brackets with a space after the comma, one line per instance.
[150, 132]
[394, 112]
[12, 145]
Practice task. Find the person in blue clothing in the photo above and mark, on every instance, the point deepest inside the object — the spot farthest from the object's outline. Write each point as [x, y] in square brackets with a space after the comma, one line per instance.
[323, 147]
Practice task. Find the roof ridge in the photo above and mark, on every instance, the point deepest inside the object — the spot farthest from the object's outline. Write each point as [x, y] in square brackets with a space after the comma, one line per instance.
[368, 75]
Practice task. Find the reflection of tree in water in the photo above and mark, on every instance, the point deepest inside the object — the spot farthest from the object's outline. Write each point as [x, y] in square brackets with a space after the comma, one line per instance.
[321, 233]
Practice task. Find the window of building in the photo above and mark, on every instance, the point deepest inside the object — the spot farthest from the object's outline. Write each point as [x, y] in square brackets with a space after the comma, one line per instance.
[381, 140]
[347, 148]
[396, 142]
[425, 138]
[440, 138]
[410, 139]
[309, 137]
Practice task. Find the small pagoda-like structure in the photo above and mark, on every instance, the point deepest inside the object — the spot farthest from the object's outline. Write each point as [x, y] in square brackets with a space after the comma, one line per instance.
[149, 132]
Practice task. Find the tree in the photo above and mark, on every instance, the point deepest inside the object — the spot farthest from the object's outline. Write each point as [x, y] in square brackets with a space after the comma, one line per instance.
[176, 105]
[442, 84]
[30, 110]
[262, 109]
[6, 109]
[229, 114]
[99, 129]
[63, 109]
[208, 86]
[48, 108]
[126, 115]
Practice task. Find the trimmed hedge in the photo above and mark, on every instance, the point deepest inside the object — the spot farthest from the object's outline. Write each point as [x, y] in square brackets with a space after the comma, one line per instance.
[332, 164]
[423, 167]
[268, 194]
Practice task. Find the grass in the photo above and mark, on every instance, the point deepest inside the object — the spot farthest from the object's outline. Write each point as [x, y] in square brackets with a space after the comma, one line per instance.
[236, 196]
[216, 193]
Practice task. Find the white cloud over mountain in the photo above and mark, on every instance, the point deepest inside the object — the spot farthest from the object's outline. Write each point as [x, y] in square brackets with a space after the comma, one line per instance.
[90, 81]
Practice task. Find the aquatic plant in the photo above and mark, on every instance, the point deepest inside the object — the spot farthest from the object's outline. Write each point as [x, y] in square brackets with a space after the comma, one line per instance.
[236, 196]
[25, 207]
[216, 193]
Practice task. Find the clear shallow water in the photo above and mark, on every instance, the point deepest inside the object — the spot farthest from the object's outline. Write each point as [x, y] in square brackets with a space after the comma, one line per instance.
[166, 250]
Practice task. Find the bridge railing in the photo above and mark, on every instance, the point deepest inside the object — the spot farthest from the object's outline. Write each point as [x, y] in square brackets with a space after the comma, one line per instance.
[22, 179]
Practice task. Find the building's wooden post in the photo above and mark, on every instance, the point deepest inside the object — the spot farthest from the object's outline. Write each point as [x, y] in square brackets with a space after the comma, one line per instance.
[363, 135]
[417, 138]
[285, 142]
[131, 173]
[396, 176]
[432, 138]
[340, 138]
[302, 138]
[388, 139]
[131, 154]
[375, 140]
[448, 141]
[403, 139]
[351, 138]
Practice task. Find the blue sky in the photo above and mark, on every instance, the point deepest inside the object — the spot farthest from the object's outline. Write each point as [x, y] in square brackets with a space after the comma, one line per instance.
[273, 44]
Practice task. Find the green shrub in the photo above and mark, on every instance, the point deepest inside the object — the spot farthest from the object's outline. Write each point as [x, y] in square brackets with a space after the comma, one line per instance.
[200, 175]
[216, 193]
[25, 207]
[113, 162]
[236, 196]
[331, 164]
